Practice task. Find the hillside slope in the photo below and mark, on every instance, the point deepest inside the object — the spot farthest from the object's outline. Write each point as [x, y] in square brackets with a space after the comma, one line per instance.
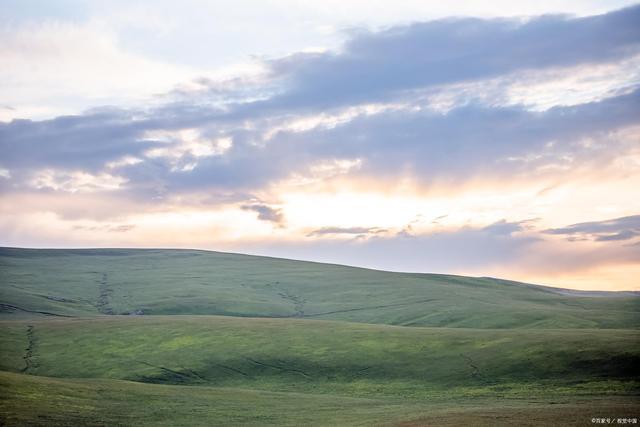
[321, 356]
[159, 282]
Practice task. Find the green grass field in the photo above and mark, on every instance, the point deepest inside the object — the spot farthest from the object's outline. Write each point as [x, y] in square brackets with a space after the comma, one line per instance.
[34, 400]
[225, 339]
[122, 281]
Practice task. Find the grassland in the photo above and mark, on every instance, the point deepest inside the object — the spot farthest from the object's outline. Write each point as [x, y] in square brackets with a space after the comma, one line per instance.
[162, 282]
[114, 402]
[320, 356]
[225, 339]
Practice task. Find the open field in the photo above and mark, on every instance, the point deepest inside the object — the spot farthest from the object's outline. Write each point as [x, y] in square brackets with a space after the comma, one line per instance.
[223, 339]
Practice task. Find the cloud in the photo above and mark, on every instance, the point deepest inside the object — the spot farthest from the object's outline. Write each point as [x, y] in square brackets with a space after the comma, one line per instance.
[79, 65]
[469, 140]
[345, 230]
[266, 213]
[377, 65]
[502, 249]
[88, 141]
[623, 235]
[623, 228]
[465, 248]
[464, 143]
[124, 228]
[505, 228]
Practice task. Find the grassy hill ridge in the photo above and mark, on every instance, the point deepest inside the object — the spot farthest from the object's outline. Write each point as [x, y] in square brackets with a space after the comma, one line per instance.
[89, 282]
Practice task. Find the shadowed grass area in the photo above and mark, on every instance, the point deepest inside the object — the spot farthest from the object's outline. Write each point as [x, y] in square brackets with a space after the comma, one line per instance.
[320, 356]
[30, 400]
[120, 281]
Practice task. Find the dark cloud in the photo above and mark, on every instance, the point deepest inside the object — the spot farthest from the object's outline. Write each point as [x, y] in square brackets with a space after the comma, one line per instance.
[467, 141]
[266, 212]
[505, 228]
[623, 235]
[88, 140]
[374, 65]
[464, 142]
[395, 63]
[623, 228]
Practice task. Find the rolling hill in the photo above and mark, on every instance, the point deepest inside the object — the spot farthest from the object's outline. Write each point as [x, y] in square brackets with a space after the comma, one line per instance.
[183, 337]
[91, 282]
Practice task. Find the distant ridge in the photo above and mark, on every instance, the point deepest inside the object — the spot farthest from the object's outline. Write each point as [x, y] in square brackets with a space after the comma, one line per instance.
[111, 281]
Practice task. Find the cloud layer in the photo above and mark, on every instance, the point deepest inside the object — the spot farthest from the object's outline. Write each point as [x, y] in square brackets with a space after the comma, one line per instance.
[624, 228]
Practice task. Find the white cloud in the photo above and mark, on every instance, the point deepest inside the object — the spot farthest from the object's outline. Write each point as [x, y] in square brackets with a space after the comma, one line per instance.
[75, 181]
[54, 68]
[540, 90]
[124, 161]
[185, 146]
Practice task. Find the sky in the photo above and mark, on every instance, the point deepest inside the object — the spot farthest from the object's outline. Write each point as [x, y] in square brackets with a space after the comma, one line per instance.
[479, 138]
